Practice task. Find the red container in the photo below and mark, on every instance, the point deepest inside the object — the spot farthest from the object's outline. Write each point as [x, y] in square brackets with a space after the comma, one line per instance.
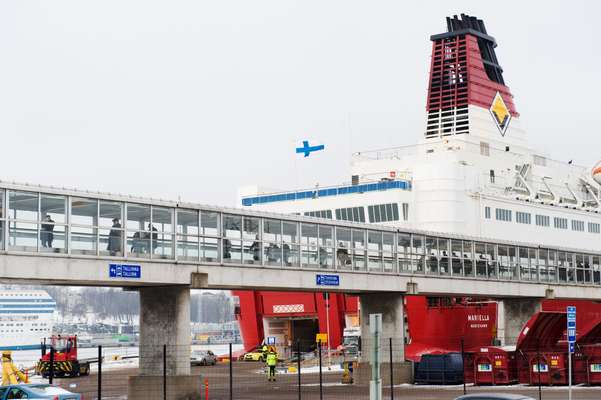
[587, 365]
[538, 341]
[494, 366]
[553, 369]
[587, 358]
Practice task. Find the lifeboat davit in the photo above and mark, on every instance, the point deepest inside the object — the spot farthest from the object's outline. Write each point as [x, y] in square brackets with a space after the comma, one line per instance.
[596, 173]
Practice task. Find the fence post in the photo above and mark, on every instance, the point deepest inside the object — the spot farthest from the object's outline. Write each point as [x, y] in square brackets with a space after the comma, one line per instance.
[391, 371]
[231, 374]
[298, 367]
[99, 372]
[463, 365]
[51, 368]
[320, 376]
[164, 372]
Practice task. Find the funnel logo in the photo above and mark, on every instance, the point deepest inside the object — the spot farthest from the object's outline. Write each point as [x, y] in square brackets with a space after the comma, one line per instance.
[500, 113]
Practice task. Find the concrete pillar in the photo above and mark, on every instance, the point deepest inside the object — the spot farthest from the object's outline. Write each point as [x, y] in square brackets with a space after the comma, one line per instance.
[391, 306]
[164, 320]
[512, 315]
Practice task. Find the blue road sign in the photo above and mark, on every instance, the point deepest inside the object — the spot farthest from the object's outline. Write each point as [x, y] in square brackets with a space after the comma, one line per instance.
[571, 310]
[327, 280]
[125, 271]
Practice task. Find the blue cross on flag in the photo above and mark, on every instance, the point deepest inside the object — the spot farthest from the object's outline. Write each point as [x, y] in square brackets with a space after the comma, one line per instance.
[307, 146]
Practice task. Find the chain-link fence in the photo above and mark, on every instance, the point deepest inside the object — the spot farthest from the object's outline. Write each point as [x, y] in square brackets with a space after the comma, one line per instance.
[306, 370]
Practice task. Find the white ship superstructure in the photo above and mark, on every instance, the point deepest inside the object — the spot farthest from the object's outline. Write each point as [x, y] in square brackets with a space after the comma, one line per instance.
[472, 173]
[26, 318]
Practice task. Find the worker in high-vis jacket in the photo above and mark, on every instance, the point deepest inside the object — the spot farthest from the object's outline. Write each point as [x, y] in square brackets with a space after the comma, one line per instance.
[272, 360]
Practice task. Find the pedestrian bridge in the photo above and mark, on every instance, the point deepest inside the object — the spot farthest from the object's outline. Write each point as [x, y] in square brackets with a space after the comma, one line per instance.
[62, 236]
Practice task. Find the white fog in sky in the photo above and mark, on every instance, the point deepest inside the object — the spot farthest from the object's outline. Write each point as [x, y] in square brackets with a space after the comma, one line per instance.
[198, 98]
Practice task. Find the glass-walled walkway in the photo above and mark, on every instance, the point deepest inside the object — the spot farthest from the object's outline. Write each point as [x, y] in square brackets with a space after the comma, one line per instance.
[55, 222]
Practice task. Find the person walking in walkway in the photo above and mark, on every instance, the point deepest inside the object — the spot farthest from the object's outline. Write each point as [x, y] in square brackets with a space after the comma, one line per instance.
[272, 360]
[114, 245]
[47, 234]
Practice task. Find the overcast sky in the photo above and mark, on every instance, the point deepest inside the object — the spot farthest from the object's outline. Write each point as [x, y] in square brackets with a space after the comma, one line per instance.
[198, 98]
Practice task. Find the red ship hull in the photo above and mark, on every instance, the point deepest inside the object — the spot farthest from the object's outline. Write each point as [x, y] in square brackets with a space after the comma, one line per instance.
[433, 325]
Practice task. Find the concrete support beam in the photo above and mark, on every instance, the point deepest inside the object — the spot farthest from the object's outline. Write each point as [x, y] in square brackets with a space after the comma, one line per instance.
[164, 320]
[391, 306]
[512, 314]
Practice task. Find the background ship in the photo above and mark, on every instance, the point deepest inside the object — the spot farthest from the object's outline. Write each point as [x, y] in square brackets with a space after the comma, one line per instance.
[26, 318]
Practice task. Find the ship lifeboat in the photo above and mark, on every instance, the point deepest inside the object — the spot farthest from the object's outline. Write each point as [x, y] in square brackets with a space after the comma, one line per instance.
[597, 173]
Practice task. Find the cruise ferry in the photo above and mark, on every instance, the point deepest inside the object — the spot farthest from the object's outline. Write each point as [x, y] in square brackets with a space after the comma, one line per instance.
[26, 317]
[472, 172]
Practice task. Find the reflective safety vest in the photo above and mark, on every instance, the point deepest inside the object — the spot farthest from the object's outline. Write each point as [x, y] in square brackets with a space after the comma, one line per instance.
[272, 359]
[264, 349]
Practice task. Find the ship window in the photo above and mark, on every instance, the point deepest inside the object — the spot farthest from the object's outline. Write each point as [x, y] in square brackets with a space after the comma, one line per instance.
[594, 227]
[405, 212]
[383, 212]
[487, 212]
[577, 225]
[543, 220]
[492, 176]
[522, 217]
[560, 223]
[356, 214]
[503, 214]
[484, 149]
[319, 214]
[377, 216]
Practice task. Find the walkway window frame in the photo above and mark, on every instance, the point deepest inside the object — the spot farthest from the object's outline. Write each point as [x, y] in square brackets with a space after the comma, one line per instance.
[163, 247]
[211, 236]
[106, 216]
[187, 242]
[27, 222]
[81, 229]
[343, 247]
[231, 238]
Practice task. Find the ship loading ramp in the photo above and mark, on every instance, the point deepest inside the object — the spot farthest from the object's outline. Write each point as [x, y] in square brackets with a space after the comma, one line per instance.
[539, 357]
[587, 356]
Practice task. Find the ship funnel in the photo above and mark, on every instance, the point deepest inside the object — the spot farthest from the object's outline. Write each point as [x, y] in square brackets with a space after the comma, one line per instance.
[465, 74]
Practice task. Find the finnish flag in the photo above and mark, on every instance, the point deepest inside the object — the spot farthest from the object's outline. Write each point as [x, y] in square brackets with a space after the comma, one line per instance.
[305, 147]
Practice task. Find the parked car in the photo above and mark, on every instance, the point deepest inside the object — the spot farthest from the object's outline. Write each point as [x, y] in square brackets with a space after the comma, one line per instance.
[258, 354]
[36, 392]
[203, 357]
[494, 396]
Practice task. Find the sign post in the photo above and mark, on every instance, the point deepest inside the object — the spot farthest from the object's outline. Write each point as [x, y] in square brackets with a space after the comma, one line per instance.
[326, 296]
[375, 385]
[571, 310]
